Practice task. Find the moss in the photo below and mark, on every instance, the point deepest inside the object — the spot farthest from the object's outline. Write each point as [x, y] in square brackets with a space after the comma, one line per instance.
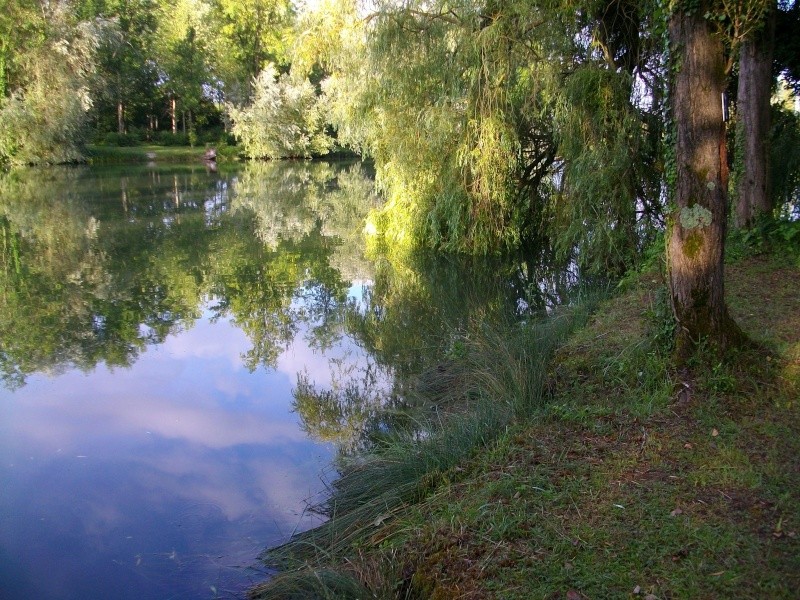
[693, 244]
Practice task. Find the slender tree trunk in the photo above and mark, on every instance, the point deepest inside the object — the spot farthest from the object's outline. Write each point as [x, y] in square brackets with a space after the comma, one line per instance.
[697, 226]
[120, 117]
[3, 61]
[755, 82]
[173, 113]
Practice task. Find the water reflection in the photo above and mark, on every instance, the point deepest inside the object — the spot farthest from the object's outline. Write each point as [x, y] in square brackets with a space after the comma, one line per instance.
[181, 348]
[149, 342]
[94, 269]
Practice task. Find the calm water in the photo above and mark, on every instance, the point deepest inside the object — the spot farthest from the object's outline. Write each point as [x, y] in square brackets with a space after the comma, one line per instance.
[155, 326]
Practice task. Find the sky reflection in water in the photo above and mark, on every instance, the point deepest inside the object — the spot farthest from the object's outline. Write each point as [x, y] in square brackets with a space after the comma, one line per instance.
[167, 478]
[211, 295]
[157, 481]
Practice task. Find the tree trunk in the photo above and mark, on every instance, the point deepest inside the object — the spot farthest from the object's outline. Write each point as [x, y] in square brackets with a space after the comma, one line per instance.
[120, 117]
[697, 226]
[755, 82]
[3, 61]
[173, 114]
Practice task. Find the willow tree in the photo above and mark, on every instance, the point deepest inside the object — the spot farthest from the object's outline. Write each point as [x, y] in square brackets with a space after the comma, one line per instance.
[490, 122]
[36, 124]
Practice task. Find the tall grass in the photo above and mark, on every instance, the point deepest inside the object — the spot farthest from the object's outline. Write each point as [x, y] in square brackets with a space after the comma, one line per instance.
[500, 377]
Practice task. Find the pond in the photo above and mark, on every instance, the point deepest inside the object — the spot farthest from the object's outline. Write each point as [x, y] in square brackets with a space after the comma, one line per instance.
[157, 329]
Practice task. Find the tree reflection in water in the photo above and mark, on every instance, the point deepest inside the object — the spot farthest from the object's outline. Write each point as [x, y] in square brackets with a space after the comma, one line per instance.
[99, 264]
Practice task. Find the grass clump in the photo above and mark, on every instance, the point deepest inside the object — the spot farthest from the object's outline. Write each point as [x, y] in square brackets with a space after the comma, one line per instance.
[497, 378]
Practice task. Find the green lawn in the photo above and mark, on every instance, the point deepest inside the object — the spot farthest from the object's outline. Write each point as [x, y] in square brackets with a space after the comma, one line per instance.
[98, 154]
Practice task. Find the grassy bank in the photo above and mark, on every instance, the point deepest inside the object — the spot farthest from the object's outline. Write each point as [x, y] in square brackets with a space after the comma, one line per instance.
[623, 478]
[110, 155]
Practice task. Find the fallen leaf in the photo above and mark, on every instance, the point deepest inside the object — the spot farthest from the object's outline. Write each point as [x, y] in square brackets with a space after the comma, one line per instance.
[676, 512]
[714, 432]
[688, 446]
[718, 573]
[637, 589]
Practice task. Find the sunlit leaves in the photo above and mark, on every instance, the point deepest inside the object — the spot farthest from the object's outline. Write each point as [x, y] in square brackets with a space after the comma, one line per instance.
[37, 125]
[284, 120]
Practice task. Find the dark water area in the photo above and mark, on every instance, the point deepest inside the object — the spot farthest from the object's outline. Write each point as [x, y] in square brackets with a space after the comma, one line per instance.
[155, 327]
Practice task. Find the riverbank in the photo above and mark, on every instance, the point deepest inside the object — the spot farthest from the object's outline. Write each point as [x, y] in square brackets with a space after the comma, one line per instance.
[97, 154]
[112, 155]
[629, 480]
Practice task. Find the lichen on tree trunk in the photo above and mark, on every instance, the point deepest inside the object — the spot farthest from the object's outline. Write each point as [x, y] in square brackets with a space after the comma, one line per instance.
[697, 223]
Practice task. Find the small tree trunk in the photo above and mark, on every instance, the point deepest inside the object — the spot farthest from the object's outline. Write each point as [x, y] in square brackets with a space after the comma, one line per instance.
[753, 96]
[697, 226]
[173, 113]
[3, 61]
[120, 117]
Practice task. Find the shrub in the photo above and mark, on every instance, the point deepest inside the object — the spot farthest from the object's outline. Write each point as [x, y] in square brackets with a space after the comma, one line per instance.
[284, 120]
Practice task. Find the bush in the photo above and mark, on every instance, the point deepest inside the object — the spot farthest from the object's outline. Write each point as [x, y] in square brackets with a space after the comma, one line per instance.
[121, 139]
[285, 119]
[167, 138]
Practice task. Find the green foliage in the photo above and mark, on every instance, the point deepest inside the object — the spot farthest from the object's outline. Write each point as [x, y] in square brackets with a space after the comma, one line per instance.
[247, 34]
[37, 125]
[599, 130]
[662, 322]
[284, 120]
[778, 236]
[496, 127]
[121, 139]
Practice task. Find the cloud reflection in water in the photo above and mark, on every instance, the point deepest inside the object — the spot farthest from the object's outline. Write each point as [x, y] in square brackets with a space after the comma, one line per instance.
[185, 463]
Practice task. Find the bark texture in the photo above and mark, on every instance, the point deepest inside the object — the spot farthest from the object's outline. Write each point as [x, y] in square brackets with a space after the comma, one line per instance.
[753, 103]
[697, 226]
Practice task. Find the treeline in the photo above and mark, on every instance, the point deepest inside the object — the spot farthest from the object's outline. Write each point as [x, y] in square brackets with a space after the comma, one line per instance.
[589, 127]
[124, 71]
